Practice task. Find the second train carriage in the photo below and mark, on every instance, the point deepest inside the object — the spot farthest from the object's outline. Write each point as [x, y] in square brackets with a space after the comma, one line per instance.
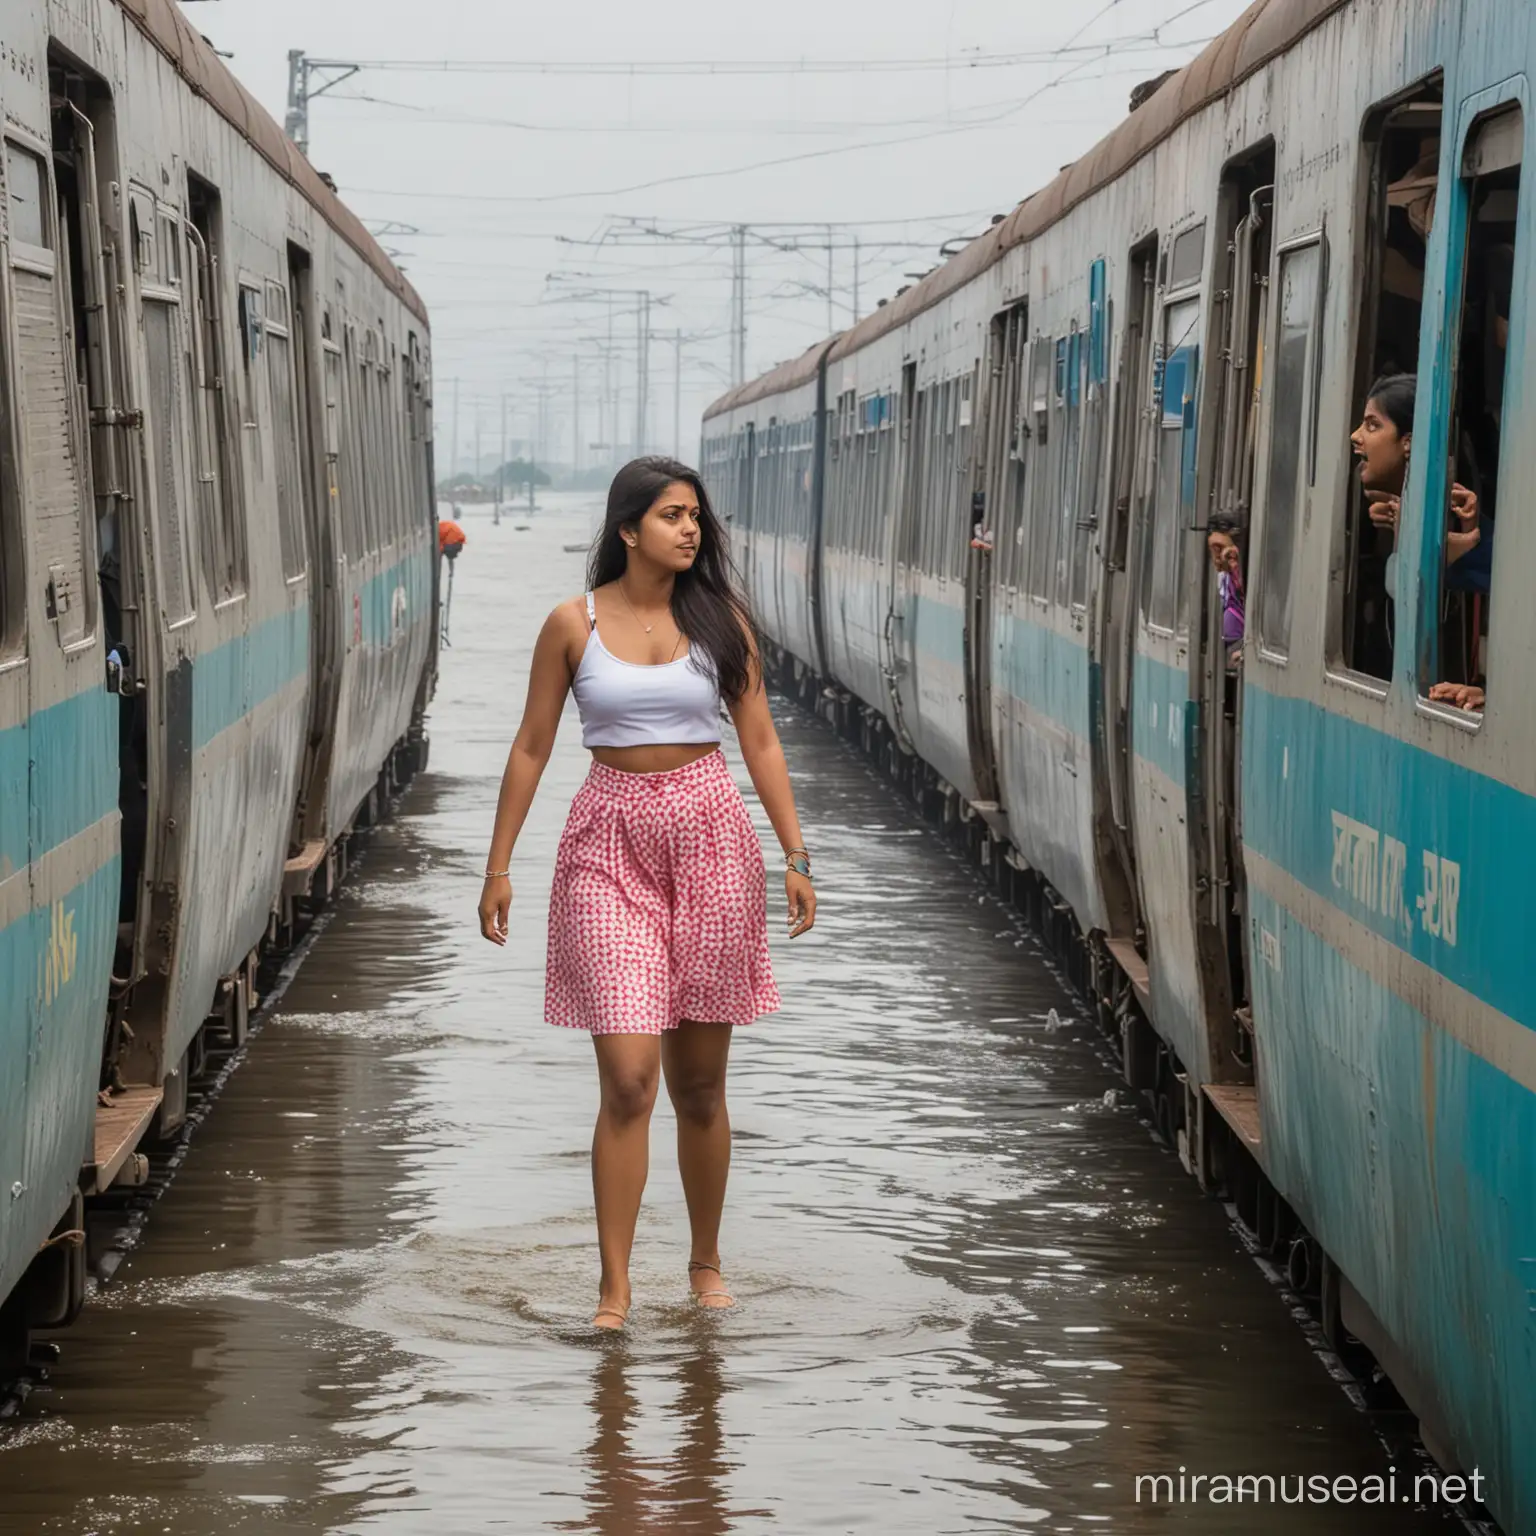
[217, 579]
[1298, 865]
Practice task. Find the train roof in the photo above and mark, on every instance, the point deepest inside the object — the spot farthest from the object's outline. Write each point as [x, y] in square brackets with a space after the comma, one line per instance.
[787, 376]
[204, 71]
[1265, 30]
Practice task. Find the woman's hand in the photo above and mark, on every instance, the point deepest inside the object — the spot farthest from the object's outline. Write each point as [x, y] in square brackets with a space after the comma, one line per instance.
[802, 903]
[1467, 696]
[495, 904]
[1383, 509]
[1464, 509]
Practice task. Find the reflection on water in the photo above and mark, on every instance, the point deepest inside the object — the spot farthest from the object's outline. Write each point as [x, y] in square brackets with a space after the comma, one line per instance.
[974, 1296]
[684, 1487]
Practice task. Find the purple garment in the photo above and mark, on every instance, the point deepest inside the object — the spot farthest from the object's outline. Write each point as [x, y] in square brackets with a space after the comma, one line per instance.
[1232, 615]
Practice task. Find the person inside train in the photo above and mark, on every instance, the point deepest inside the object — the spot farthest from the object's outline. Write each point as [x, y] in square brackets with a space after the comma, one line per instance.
[1227, 561]
[1383, 442]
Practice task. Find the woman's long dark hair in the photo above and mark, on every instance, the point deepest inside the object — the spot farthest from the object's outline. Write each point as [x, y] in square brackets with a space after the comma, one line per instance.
[707, 601]
[1394, 394]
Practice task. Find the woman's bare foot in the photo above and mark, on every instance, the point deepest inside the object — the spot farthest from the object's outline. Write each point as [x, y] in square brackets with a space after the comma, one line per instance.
[708, 1285]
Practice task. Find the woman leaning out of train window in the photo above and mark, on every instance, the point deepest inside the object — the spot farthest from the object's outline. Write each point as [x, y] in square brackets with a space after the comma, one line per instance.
[1383, 442]
[1227, 560]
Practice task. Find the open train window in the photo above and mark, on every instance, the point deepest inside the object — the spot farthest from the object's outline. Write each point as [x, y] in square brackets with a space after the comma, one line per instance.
[223, 541]
[1461, 512]
[1292, 433]
[1400, 173]
[287, 431]
[1174, 472]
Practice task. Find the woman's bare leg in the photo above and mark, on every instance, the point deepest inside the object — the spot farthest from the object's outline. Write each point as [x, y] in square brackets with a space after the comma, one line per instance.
[694, 1057]
[628, 1067]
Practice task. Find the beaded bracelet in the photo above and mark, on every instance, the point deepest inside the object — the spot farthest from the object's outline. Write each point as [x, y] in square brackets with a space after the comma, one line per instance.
[497, 874]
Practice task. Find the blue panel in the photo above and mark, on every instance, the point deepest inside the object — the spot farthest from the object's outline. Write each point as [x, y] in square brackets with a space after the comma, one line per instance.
[1428, 854]
[1048, 672]
[1164, 720]
[70, 749]
[1189, 413]
[1173, 373]
[1410, 1159]
[1075, 369]
[234, 678]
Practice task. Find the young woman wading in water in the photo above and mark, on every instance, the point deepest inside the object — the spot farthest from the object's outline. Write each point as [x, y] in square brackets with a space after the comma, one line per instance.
[658, 936]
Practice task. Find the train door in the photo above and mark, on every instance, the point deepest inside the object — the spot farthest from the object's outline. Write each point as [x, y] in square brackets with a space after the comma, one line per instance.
[1129, 534]
[318, 544]
[897, 635]
[999, 456]
[1241, 320]
[69, 901]
[815, 524]
[746, 510]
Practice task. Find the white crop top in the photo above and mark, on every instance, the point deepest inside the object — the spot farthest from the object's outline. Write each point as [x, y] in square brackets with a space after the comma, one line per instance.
[633, 704]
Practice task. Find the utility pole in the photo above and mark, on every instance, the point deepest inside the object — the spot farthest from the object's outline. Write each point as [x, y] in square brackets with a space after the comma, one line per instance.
[501, 467]
[453, 457]
[738, 305]
[642, 368]
[301, 71]
[677, 398]
[831, 324]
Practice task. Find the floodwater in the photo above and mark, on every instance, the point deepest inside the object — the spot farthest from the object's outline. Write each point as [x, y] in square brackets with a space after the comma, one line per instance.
[974, 1295]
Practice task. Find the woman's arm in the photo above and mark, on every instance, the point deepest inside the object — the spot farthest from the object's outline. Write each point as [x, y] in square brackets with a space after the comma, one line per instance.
[763, 754]
[549, 681]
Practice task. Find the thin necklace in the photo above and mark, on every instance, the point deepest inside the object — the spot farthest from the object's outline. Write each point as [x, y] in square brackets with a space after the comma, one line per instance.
[635, 616]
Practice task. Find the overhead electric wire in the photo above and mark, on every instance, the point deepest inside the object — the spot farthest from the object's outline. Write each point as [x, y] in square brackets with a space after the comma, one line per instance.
[963, 62]
[538, 198]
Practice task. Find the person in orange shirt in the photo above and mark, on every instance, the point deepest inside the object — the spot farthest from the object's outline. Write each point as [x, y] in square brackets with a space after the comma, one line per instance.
[450, 538]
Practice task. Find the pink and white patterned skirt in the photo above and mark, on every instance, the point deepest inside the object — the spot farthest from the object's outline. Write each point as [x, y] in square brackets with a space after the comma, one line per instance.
[658, 912]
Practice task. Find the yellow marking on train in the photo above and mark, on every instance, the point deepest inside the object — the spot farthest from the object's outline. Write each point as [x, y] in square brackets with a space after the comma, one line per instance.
[56, 965]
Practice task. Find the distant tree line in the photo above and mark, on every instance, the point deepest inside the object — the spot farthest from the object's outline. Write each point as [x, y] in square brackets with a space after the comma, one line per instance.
[515, 476]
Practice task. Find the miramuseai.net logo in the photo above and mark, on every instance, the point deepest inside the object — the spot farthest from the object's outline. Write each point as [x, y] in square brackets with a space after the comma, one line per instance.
[1185, 1487]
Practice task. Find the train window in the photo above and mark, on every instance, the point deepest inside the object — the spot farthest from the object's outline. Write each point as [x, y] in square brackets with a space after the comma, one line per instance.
[166, 431]
[1187, 258]
[1401, 140]
[1292, 430]
[1174, 489]
[26, 186]
[1464, 508]
[285, 432]
[1006, 435]
[223, 546]
[59, 506]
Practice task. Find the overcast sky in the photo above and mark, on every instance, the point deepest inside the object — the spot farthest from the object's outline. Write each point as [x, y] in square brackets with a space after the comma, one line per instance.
[499, 170]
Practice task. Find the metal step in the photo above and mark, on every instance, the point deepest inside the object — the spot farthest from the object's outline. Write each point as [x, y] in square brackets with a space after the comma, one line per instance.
[120, 1125]
[1238, 1105]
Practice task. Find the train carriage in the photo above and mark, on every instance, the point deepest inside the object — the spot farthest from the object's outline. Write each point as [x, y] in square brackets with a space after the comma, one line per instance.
[1287, 864]
[218, 576]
